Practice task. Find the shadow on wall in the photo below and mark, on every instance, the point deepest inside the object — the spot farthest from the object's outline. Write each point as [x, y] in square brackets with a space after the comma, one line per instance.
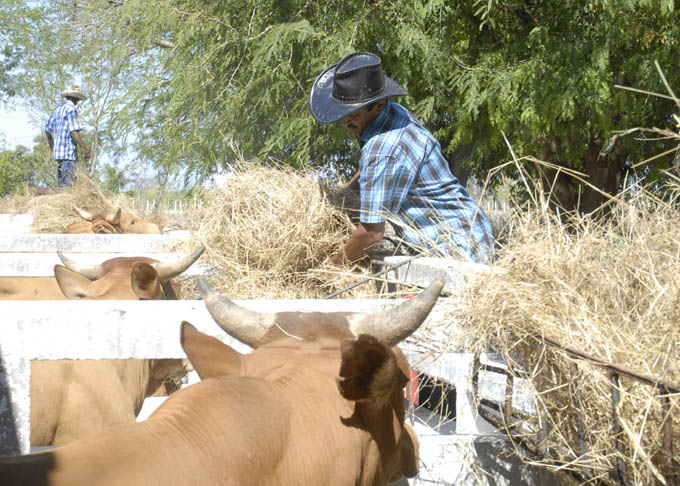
[9, 437]
[505, 468]
[437, 396]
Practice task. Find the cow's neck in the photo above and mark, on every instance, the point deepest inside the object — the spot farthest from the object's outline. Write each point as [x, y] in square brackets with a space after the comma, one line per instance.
[135, 377]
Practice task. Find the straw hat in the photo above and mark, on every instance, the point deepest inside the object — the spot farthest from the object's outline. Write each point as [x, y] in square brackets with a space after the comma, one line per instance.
[354, 82]
[74, 92]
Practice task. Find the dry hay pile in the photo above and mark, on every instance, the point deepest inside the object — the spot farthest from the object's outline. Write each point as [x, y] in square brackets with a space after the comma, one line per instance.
[269, 232]
[54, 211]
[610, 290]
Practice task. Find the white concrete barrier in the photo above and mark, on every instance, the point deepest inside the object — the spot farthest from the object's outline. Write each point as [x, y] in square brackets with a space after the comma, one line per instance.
[21, 243]
[150, 329]
[105, 330]
[42, 264]
[16, 223]
[423, 270]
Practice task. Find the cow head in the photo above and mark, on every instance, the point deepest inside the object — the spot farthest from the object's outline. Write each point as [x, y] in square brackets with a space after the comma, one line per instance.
[121, 221]
[350, 360]
[123, 278]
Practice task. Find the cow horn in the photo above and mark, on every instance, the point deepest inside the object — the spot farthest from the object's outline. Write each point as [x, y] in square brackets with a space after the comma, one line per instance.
[245, 325]
[396, 324]
[86, 215]
[167, 271]
[88, 271]
[392, 326]
[113, 218]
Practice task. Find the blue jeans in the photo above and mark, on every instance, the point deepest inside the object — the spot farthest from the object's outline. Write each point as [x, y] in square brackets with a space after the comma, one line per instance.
[65, 170]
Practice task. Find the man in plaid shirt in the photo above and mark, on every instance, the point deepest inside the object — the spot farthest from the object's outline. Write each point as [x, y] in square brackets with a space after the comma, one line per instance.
[403, 176]
[63, 133]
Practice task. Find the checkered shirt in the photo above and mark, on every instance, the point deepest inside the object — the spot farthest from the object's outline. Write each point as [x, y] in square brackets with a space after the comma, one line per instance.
[405, 179]
[61, 123]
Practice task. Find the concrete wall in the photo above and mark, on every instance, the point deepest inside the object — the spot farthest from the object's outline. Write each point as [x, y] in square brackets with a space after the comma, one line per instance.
[38, 264]
[16, 223]
[17, 242]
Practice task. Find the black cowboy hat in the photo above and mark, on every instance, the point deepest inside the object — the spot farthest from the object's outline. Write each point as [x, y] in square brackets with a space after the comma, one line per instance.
[354, 82]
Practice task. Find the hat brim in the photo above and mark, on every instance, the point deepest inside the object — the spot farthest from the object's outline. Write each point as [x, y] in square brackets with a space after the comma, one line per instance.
[74, 94]
[325, 109]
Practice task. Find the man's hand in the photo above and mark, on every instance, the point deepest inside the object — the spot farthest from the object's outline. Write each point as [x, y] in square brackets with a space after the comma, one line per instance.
[339, 258]
[76, 136]
[360, 244]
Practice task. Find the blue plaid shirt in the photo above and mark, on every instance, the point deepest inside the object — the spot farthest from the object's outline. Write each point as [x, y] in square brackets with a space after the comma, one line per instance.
[61, 123]
[404, 176]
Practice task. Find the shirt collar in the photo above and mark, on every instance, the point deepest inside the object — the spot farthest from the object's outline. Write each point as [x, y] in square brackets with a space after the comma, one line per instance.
[374, 128]
[69, 102]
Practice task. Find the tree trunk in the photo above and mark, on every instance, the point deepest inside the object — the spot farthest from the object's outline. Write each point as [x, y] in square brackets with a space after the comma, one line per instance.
[161, 190]
[458, 163]
[558, 188]
[604, 172]
[567, 194]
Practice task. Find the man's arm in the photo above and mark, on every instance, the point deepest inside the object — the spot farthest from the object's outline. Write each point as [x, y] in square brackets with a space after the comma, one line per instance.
[76, 136]
[353, 185]
[360, 244]
[50, 140]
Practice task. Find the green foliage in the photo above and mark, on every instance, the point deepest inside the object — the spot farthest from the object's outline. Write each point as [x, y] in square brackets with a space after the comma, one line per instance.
[20, 169]
[198, 85]
[113, 179]
[62, 44]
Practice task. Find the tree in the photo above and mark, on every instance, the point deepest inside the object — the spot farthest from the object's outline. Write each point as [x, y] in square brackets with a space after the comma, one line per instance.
[19, 169]
[9, 57]
[66, 42]
[114, 180]
[208, 82]
[543, 73]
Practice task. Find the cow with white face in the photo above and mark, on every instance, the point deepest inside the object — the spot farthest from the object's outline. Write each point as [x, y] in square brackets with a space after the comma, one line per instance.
[71, 399]
[319, 402]
[112, 222]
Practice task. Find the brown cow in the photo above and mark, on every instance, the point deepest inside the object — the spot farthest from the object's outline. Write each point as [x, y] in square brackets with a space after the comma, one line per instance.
[112, 222]
[71, 399]
[319, 402]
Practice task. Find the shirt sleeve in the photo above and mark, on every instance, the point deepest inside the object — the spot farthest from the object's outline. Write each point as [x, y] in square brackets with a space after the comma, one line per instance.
[49, 126]
[385, 182]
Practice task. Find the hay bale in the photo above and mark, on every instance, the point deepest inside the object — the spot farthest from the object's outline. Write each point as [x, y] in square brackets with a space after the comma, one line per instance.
[609, 289]
[269, 231]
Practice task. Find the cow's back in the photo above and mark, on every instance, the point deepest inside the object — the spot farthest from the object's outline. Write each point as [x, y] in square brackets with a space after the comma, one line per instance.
[63, 405]
[30, 288]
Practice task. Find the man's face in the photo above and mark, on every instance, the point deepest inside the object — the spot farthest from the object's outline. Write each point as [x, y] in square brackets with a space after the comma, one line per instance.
[358, 121]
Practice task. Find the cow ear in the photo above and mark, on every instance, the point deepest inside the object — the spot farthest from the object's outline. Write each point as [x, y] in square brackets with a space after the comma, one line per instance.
[72, 284]
[145, 282]
[209, 356]
[369, 371]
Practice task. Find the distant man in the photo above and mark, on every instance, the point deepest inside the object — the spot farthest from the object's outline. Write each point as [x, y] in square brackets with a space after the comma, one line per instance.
[63, 133]
[403, 175]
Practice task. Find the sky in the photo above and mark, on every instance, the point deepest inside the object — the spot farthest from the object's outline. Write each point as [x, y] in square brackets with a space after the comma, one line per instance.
[16, 128]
